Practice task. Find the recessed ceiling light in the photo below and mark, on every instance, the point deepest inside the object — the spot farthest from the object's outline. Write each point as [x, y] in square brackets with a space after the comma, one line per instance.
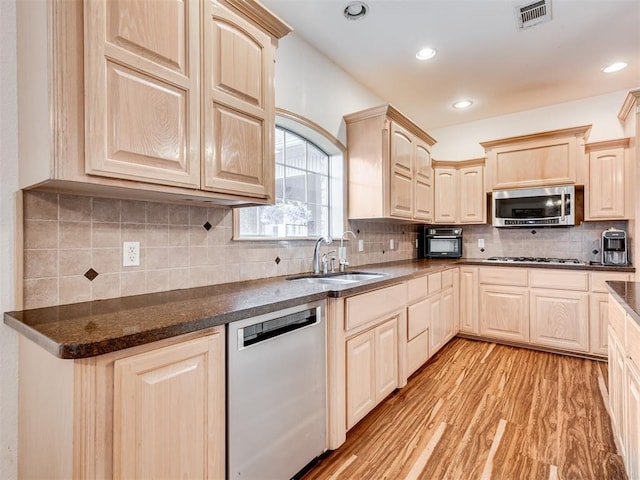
[462, 104]
[355, 10]
[426, 53]
[614, 67]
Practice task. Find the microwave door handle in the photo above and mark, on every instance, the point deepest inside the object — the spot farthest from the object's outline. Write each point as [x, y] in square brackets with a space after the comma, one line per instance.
[562, 212]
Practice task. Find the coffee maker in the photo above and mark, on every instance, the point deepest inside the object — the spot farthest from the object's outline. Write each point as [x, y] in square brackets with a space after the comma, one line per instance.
[614, 247]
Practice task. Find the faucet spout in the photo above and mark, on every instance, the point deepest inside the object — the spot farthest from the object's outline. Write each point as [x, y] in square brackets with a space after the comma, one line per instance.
[316, 251]
[342, 255]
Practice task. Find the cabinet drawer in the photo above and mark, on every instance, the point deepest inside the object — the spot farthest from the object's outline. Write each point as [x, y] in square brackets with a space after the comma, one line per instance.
[556, 279]
[435, 282]
[375, 305]
[513, 277]
[447, 278]
[417, 319]
[598, 280]
[633, 341]
[417, 289]
[617, 318]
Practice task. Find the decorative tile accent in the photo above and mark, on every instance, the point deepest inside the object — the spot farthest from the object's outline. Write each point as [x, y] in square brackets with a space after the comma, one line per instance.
[207, 226]
[91, 274]
[277, 260]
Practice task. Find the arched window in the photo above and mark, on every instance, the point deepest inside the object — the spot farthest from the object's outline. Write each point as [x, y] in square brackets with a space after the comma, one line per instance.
[309, 175]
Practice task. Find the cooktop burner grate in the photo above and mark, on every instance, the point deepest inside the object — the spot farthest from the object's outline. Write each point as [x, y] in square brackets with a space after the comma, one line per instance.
[534, 260]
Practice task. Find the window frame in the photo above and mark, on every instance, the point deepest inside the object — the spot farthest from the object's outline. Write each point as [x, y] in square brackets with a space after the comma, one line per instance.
[323, 140]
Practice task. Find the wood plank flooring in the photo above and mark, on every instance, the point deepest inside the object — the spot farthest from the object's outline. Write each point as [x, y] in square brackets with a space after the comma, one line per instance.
[479, 410]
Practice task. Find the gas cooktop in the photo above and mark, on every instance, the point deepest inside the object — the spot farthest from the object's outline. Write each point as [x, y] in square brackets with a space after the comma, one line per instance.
[570, 261]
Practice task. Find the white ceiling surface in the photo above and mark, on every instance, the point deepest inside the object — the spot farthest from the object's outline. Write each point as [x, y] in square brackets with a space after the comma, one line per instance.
[481, 53]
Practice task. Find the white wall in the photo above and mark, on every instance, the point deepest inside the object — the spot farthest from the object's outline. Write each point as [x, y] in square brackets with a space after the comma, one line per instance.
[8, 186]
[310, 85]
[462, 142]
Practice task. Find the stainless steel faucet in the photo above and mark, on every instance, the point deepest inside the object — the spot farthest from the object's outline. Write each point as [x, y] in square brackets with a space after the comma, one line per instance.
[342, 255]
[316, 250]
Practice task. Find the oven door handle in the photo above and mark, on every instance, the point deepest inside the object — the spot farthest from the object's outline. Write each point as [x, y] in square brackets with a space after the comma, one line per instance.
[445, 236]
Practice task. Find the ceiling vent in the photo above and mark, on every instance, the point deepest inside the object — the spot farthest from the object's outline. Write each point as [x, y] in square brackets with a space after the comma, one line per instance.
[533, 13]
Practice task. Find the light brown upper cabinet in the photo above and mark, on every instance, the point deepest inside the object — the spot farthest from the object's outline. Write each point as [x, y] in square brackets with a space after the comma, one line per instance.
[147, 99]
[389, 166]
[548, 158]
[459, 192]
[609, 192]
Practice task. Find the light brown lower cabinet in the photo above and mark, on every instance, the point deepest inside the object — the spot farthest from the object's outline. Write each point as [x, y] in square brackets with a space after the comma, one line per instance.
[504, 312]
[153, 411]
[633, 421]
[559, 319]
[624, 384]
[372, 369]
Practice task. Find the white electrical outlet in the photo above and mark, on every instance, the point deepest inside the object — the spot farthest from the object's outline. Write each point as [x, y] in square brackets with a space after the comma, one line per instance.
[130, 254]
[361, 245]
[392, 244]
[481, 243]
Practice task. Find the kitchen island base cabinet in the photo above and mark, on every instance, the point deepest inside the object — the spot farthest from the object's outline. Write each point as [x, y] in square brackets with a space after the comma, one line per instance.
[156, 410]
[372, 369]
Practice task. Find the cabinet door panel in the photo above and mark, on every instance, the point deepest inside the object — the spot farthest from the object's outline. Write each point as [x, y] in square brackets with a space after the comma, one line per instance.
[238, 106]
[469, 300]
[633, 422]
[436, 329]
[386, 361]
[616, 367]
[417, 352]
[472, 198]
[361, 377]
[551, 163]
[504, 312]
[560, 319]
[446, 195]
[423, 185]
[598, 323]
[447, 316]
[142, 111]
[402, 172]
[606, 184]
[151, 29]
[166, 402]
[417, 319]
[237, 141]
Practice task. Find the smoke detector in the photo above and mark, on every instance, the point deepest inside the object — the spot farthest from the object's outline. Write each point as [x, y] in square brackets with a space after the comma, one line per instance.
[533, 13]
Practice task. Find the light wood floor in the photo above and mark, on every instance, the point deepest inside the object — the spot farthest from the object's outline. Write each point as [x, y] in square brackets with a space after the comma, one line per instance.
[484, 411]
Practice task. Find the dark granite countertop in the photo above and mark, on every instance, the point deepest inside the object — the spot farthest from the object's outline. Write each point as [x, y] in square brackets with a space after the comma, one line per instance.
[102, 326]
[628, 294]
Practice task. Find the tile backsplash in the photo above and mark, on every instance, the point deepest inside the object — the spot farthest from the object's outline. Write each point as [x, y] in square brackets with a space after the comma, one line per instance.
[573, 242]
[73, 248]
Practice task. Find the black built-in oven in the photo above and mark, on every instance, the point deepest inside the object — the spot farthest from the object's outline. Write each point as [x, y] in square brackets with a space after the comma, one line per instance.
[440, 242]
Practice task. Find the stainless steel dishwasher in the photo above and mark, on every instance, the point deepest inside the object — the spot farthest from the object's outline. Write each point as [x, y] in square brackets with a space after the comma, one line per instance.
[276, 393]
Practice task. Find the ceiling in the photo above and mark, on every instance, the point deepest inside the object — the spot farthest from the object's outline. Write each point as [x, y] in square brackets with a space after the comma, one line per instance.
[482, 55]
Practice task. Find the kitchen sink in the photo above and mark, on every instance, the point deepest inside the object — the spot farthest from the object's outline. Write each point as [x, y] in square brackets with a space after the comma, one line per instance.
[340, 278]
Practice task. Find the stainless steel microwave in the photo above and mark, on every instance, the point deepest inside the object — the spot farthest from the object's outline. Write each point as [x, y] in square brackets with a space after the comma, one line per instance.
[441, 242]
[558, 206]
